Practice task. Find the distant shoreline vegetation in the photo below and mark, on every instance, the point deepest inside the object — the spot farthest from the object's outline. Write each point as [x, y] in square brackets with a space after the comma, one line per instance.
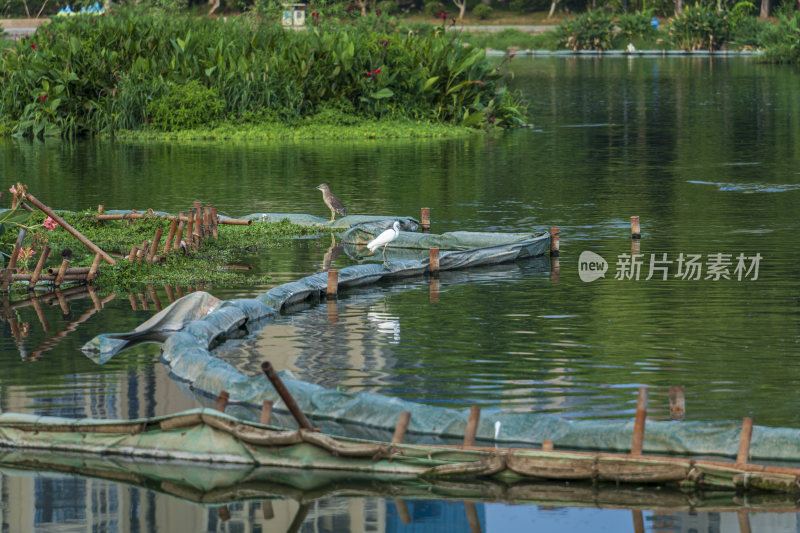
[152, 71]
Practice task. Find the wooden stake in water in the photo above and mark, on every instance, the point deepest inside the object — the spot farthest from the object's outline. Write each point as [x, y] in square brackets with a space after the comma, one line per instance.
[333, 284]
[222, 401]
[401, 427]
[744, 441]
[425, 217]
[434, 261]
[472, 425]
[266, 412]
[638, 424]
[636, 232]
[547, 446]
[554, 244]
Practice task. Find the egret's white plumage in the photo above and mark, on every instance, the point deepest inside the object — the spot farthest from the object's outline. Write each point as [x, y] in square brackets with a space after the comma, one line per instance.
[384, 238]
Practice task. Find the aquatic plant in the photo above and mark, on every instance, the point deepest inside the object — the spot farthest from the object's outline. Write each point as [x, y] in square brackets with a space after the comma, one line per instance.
[82, 75]
[700, 27]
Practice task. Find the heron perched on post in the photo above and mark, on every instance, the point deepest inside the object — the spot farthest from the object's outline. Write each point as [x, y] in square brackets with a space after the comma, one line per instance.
[384, 239]
[330, 199]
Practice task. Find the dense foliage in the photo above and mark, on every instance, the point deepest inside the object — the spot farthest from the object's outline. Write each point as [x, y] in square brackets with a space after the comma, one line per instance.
[593, 30]
[700, 28]
[87, 74]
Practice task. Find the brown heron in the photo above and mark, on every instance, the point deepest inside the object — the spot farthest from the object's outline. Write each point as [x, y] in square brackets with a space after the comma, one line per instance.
[330, 199]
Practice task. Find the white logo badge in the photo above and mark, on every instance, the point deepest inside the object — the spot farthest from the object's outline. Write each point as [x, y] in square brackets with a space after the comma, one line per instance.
[591, 266]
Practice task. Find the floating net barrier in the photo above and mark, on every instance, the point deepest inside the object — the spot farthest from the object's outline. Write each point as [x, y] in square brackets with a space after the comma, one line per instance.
[234, 453]
[192, 326]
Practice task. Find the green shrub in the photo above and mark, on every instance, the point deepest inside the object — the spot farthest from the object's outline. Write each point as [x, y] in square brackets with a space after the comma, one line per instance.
[388, 7]
[636, 25]
[185, 107]
[700, 27]
[482, 11]
[782, 40]
[433, 8]
[83, 75]
[593, 30]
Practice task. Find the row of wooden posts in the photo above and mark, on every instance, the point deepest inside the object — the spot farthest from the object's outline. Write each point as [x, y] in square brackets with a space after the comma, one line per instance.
[199, 223]
[676, 399]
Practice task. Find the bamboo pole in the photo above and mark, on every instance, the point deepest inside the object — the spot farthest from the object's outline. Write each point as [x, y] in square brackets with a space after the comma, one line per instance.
[142, 251]
[75, 233]
[93, 269]
[547, 445]
[286, 396]
[214, 223]
[39, 266]
[472, 425]
[638, 424]
[133, 254]
[170, 294]
[154, 246]
[401, 427]
[173, 227]
[73, 270]
[180, 217]
[744, 441]
[60, 275]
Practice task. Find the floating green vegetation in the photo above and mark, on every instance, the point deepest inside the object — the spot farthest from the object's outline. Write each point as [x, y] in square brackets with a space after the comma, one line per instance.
[213, 263]
[307, 129]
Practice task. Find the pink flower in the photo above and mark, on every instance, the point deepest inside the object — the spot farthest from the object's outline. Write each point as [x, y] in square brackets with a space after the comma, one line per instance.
[27, 253]
[12, 189]
[50, 224]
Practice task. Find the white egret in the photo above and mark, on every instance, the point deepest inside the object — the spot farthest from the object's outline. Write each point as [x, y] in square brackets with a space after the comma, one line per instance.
[384, 239]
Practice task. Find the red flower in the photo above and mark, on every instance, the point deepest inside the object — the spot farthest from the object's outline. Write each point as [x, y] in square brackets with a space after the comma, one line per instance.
[34, 47]
[42, 97]
[374, 73]
[384, 42]
[442, 14]
[315, 16]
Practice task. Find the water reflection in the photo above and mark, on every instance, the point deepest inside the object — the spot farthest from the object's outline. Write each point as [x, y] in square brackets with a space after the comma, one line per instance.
[146, 497]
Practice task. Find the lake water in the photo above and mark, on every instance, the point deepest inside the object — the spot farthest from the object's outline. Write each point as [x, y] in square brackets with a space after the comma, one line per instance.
[706, 151]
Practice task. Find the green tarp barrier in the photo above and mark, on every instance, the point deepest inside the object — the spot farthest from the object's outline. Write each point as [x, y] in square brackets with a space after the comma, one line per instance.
[188, 338]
